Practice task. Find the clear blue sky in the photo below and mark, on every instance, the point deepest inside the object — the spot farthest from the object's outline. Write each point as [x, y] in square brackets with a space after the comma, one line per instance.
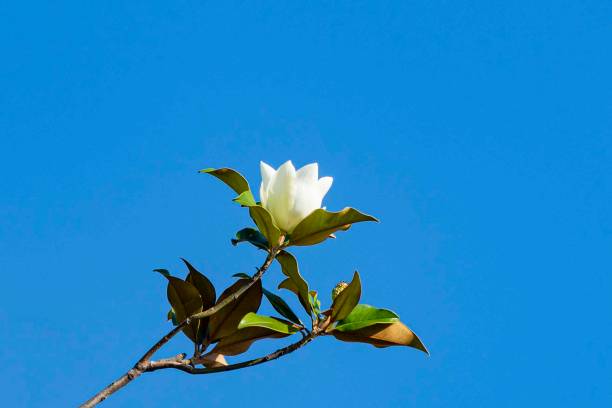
[478, 132]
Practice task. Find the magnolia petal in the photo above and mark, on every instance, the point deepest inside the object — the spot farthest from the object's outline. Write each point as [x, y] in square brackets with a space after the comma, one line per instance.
[281, 195]
[325, 184]
[307, 199]
[308, 173]
[267, 175]
[263, 195]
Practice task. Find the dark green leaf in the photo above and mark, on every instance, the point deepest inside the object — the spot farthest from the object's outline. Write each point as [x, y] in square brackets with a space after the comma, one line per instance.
[241, 275]
[207, 293]
[251, 235]
[230, 177]
[318, 226]
[383, 335]
[288, 284]
[202, 284]
[346, 300]
[364, 316]
[246, 199]
[281, 306]
[162, 271]
[241, 340]
[264, 222]
[172, 316]
[185, 301]
[225, 321]
[290, 269]
[272, 323]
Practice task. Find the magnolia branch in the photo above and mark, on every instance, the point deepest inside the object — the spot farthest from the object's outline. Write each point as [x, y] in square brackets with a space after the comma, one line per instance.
[144, 363]
[184, 365]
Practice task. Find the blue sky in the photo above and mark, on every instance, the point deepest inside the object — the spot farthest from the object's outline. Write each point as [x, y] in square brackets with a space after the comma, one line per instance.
[478, 132]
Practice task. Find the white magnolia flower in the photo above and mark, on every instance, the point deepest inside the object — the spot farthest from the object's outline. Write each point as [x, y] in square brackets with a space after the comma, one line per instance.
[290, 195]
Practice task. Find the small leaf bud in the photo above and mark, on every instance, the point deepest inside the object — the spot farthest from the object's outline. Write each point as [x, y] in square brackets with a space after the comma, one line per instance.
[339, 288]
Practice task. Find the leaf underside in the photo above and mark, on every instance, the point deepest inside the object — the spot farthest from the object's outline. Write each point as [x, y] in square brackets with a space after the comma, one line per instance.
[383, 335]
[320, 224]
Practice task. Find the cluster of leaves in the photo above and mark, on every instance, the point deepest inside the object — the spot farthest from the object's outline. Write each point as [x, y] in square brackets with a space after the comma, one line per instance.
[352, 321]
[235, 327]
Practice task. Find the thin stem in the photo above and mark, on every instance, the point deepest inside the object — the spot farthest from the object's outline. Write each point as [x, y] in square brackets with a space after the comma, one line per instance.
[143, 364]
[184, 366]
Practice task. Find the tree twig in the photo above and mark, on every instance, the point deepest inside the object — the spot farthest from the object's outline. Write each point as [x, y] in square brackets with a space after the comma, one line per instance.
[143, 364]
[186, 367]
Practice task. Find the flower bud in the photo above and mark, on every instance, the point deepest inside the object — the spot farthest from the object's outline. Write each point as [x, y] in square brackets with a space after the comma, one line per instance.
[339, 288]
[290, 195]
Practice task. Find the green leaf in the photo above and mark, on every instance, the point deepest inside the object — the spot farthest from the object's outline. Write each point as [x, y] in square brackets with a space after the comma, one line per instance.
[225, 321]
[162, 271]
[318, 226]
[383, 335]
[251, 235]
[245, 199]
[207, 293]
[347, 299]
[172, 316]
[241, 340]
[290, 269]
[288, 284]
[281, 307]
[185, 301]
[315, 303]
[364, 316]
[230, 177]
[241, 275]
[264, 222]
[272, 323]
[202, 284]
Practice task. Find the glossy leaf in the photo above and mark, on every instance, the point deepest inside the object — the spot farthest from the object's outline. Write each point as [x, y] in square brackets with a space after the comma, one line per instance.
[230, 177]
[245, 199]
[290, 269]
[264, 222]
[364, 316]
[347, 299]
[320, 224]
[252, 236]
[241, 340]
[202, 284]
[241, 275]
[383, 335]
[207, 293]
[185, 301]
[279, 304]
[288, 284]
[225, 321]
[271, 323]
